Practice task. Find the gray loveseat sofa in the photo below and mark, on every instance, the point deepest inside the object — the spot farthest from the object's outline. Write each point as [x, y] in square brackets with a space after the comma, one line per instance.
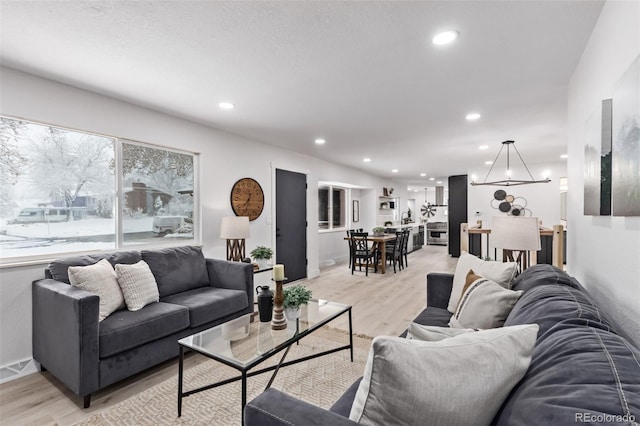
[582, 370]
[87, 355]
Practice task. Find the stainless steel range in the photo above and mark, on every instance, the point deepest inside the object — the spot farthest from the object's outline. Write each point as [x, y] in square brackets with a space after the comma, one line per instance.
[437, 233]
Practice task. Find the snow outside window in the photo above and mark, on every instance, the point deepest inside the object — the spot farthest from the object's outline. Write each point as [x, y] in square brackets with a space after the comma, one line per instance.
[58, 192]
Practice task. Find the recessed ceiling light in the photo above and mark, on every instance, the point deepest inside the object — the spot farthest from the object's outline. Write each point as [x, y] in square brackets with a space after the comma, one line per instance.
[472, 116]
[320, 141]
[445, 37]
[483, 147]
[423, 174]
[432, 178]
[488, 163]
[226, 105]
[394, 171]
[439, 182]
[366, 160]
[564, 156]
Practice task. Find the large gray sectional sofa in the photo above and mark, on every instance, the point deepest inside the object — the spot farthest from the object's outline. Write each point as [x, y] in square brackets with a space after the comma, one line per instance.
[583, 369]
[87, 354]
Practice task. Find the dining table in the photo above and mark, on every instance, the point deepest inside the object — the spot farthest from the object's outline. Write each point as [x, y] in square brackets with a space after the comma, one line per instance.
[380, 242]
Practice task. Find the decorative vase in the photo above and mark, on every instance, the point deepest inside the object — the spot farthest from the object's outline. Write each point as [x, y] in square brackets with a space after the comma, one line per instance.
[262, 263]
[292, 314]
[265, 303]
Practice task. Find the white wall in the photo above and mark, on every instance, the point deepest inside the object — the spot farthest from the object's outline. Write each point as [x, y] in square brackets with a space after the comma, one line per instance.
[603, 252]
[224, 159]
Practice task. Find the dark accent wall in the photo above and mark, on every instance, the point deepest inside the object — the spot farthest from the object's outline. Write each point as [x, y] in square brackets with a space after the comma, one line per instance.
[457, 211]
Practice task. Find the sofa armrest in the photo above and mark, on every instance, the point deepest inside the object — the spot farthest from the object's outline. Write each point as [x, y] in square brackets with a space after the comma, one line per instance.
[439, 287]
[65, 333]
[275, 408]
[231, 275]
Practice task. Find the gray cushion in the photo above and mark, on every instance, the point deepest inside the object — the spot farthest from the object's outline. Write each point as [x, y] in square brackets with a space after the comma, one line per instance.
[124, 329]
[458, 380]
[434, 316]
[343, 405]
[546, 305]
[484, 304]
[576, 370]
[207, 304]
[58, 269]
[177, 269]
[538, 275]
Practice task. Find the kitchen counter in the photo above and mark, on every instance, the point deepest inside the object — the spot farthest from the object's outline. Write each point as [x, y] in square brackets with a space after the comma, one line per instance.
[416, 238]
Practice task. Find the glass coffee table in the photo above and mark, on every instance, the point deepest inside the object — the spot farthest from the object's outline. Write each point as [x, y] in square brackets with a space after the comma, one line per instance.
[243, 344]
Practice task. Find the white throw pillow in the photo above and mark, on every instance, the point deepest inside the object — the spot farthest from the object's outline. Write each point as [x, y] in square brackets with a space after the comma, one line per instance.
[430, 333]
[484, 304]
[502, 273]
[138, 285]
[455, 381]
[99, 278]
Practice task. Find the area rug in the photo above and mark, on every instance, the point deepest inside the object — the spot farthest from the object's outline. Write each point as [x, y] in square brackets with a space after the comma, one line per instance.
[319, 381]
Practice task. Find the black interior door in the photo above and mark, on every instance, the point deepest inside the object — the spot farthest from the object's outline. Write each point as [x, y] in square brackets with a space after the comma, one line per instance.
[291, 223]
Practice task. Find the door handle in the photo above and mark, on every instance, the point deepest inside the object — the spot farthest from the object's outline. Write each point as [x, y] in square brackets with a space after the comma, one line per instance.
[277, 232]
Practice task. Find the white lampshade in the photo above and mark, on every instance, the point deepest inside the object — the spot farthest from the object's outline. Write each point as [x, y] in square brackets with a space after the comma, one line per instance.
[234, 227]
[515, 233]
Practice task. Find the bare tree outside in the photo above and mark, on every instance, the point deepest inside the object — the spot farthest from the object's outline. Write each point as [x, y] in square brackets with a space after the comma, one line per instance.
[12, 162]
[65, 165]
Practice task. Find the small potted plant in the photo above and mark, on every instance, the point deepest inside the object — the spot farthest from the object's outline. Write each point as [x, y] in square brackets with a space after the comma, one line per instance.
[294, 297]
[261, 255]
[378, 231]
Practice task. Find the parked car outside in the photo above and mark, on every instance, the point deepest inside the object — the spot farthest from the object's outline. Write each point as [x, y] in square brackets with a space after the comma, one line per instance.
[163, 225]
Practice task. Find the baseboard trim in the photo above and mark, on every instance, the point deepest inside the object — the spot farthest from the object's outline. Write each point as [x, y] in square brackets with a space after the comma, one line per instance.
[18, 369]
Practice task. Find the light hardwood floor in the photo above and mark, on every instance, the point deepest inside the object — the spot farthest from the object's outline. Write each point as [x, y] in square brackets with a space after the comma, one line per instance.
[382, 304]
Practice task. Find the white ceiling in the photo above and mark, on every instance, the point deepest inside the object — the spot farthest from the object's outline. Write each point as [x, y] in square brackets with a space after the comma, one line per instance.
[362, 75]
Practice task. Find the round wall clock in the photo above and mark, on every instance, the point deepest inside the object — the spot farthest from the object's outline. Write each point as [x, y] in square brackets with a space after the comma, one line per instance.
[247, 198]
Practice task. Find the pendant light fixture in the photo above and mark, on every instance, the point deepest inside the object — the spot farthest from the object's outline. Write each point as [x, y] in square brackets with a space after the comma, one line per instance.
[509, 181]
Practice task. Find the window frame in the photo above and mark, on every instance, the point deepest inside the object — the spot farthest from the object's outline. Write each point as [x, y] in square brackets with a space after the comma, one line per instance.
[119, 243]
[347, 198]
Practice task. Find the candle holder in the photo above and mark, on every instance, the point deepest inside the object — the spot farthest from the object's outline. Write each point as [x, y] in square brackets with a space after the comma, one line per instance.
[279, 321]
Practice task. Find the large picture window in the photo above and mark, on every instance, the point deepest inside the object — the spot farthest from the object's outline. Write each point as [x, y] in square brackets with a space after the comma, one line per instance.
[331, 207]
[59, 186]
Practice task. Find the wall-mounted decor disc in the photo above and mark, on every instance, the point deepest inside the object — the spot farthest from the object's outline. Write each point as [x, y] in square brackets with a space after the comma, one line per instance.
[500, 194]
[504, 207]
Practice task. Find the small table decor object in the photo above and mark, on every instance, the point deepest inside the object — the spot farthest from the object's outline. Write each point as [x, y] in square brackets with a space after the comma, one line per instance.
[278, 321]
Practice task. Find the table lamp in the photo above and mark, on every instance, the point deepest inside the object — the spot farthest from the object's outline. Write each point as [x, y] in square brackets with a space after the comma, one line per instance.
[515, 234]
[235, 229]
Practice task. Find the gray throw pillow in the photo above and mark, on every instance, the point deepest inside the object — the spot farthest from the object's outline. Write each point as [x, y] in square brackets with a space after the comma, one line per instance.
[454, 381]
[138, 285]
[502, 273]
[484, 304]
[432, 333]
[99, 278]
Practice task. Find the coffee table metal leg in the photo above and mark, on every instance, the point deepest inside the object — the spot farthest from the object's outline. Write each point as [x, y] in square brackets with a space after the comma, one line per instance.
[244, 394]
[180, 367]
[350, 336]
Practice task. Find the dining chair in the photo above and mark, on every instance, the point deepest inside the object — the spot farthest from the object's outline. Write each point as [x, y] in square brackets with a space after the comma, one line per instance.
[349, 232]
[404, 248]
[360, 252]
[393, 252]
